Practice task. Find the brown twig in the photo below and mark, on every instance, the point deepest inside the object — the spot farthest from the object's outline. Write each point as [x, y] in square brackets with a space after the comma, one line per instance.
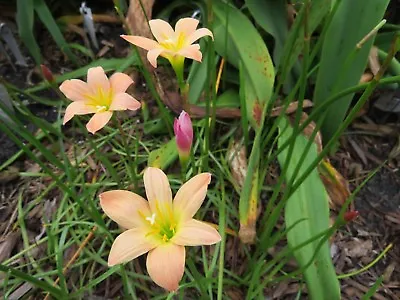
[74, 257]
[221, 67]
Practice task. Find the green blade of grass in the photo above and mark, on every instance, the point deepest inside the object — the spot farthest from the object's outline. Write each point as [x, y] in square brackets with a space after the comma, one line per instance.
[164, 156]
[342, 63]
[317, 10]
[25, 18]
[47, 19]
[57, 293]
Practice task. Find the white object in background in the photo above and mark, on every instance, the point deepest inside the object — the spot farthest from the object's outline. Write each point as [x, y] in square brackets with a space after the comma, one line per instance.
[86, 12]
[8, 38]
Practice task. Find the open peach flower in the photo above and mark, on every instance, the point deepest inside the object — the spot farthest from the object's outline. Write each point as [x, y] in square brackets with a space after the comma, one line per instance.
[171, 44]
[159, 226]
[99, 95]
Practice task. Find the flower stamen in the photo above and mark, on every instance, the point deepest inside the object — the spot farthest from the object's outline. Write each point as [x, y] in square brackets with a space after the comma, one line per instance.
[151, 219]
[101, 108]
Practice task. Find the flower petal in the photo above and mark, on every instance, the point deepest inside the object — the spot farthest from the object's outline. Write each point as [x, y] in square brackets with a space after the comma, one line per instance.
[152, 56]
[123, 101]
[166, 265]
[140, 41]
[77, 108]
[158, 190]
[196, 233]
[190, 196]
[98, 121]
[199, 33]
[120, 82]
[192, 52]
[129, 245]
[75, 89]
[161, 30]
[97, 79]
[126, 208]
[186, 26]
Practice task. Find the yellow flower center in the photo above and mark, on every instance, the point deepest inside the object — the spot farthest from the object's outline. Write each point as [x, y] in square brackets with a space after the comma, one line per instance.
[100, 99]
[174, 44]
[162, 223]
[101, 108]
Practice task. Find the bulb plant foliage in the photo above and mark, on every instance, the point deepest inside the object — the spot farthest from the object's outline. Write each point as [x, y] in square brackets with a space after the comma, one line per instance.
[133, 203]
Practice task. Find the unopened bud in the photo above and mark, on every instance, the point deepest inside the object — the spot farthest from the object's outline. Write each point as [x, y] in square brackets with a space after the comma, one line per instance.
[47, 74]
[184, 134]
[350, 215]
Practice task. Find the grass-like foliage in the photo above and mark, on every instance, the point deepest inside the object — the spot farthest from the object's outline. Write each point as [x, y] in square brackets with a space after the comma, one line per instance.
[245, 119]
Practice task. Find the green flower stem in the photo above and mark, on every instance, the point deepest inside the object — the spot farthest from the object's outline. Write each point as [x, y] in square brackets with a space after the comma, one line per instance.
[184, 161]
[178, 63]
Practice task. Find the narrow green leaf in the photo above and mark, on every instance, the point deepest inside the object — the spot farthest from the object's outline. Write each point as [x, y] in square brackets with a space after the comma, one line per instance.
[310, 202]
[317, 10]
[164, 156]
[25, 18]
[342, 64]
[57, 293]
[371, 292]
[47, 18]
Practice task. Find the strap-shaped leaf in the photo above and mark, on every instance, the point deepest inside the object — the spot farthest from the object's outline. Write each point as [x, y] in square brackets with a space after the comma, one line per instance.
[309, 202]
[238, 41]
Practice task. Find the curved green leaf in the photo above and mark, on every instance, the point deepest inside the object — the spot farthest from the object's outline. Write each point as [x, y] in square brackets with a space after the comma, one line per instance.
[309, 201]
[164, 156]
[25, 18]
[342, 64]
[47, 18]
[271, 15]
[238, 41]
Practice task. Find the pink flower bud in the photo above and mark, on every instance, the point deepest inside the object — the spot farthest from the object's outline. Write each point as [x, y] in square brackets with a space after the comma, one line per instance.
[184, 133]
[350, 215]
[47, 74]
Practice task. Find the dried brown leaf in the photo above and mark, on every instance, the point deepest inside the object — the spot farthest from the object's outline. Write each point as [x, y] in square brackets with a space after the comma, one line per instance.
[336, 185]
[358, 248]
[8, 244]
[9, 175]
[373, 60]
[238, 162]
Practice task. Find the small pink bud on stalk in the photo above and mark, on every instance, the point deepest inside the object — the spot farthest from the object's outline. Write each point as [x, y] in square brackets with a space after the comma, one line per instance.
[47, 74]
[184, 136]
[350, 215]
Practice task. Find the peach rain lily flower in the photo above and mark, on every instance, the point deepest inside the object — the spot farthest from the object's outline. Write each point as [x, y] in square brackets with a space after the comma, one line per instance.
[159, 226]
[173, 45]
[99, 95]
